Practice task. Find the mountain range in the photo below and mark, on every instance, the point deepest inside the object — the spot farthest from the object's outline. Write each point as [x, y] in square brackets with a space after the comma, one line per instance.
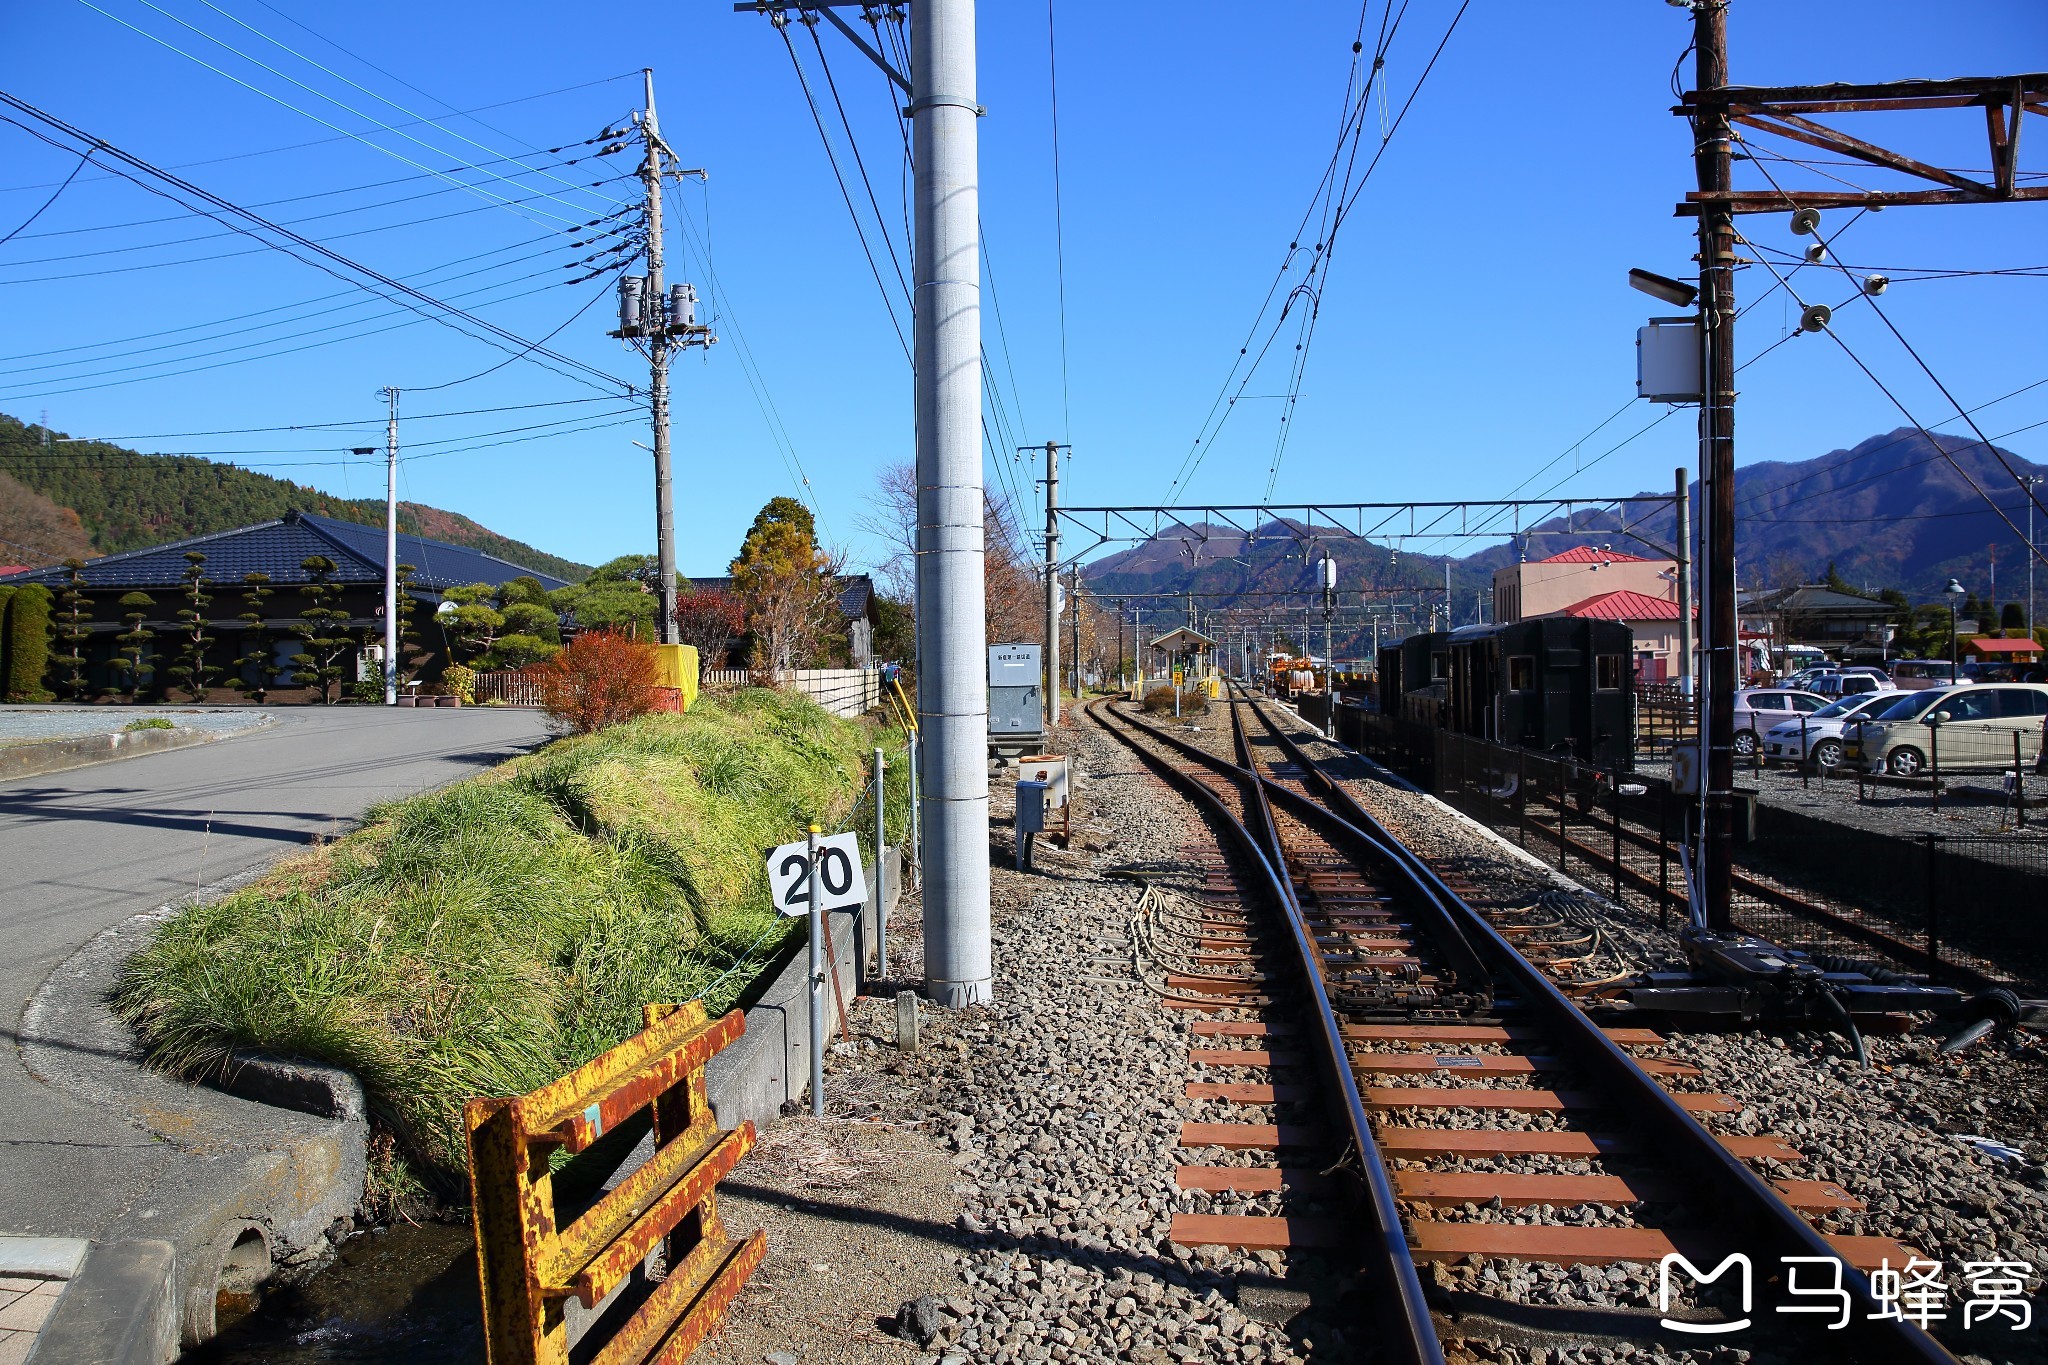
[1901, 510]
[60, 499]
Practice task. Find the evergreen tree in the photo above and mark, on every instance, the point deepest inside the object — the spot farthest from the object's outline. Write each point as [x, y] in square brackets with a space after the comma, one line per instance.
[412, 651]
[74, 613]
[321, 628]
[133, 660]
[192, 671]
[255, 658]
[2013, 619]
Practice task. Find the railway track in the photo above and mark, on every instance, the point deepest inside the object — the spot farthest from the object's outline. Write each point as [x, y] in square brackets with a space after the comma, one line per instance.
[1393, 1082]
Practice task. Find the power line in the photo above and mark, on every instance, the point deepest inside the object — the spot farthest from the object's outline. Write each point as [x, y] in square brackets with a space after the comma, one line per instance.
[54, 196]
[1059, 233]
[349, 137]
[325, 123]
[415, 299]
[325, 426]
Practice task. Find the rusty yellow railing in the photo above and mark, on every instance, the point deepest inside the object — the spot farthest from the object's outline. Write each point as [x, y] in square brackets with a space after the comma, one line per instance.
[531, 1263]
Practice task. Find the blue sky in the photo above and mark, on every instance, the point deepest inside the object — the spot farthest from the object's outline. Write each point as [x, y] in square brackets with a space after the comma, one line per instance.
[1475, 323]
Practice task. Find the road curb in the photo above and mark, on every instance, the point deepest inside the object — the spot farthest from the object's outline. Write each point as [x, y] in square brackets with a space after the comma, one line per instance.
[118, 1310]
[62, 755]
[263, 1184]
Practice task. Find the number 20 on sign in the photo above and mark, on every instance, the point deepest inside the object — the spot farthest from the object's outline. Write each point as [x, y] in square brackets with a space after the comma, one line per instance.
[840, 879]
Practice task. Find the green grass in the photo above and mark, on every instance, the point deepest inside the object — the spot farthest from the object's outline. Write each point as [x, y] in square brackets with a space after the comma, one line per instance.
[487, 937]
[152, 723]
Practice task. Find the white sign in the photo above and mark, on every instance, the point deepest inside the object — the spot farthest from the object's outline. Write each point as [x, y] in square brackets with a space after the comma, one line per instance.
[1013, 665]
[839, 874]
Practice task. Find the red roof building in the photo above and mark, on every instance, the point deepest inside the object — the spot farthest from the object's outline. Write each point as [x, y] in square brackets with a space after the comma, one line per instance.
[1623, 606]
[2012, 649]
[1592, 554]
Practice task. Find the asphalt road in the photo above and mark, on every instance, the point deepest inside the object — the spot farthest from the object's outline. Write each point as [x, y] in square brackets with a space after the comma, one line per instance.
[83, 850]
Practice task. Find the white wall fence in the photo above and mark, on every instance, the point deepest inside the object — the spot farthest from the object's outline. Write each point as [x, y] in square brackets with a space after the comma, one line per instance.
[842, 691]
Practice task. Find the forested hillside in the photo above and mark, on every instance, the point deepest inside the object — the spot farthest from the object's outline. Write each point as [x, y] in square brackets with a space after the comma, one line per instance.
[126, 500]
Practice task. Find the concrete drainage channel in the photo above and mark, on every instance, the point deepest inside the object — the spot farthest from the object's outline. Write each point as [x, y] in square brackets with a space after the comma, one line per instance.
[267, 1172]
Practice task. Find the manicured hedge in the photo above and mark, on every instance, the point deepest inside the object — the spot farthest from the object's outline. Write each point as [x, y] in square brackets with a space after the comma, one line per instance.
[28, 642]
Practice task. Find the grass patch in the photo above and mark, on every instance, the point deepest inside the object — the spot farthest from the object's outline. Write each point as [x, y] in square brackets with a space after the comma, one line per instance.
[487, 937]
[151, 723]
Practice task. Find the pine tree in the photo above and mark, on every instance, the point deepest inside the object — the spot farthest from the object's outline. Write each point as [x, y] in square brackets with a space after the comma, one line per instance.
[255, 657]
[323, 636]
[134, 656]
[73, 613]
[192, 670]
[412, 651]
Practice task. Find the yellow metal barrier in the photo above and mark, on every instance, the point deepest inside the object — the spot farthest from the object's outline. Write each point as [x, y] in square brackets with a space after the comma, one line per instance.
[531, 1263]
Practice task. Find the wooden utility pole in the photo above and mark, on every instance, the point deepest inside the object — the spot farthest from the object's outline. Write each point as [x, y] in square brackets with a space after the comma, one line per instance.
[1715, 110]
[1711, 158]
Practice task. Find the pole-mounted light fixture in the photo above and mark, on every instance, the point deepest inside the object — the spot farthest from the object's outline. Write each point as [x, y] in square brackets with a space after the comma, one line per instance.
[1677, 293]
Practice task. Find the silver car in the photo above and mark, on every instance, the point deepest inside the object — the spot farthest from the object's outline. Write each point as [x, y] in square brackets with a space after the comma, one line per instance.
[1820, 737]
[1982, 726]
[1758, 709]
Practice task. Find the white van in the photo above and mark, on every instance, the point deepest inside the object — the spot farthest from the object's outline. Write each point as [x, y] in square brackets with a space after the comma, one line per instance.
[1910, 675]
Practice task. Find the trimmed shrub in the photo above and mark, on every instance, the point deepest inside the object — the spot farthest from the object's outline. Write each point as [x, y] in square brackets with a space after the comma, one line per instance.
[28, 642]
[1159, 699]
[599, 679]
[7, 591]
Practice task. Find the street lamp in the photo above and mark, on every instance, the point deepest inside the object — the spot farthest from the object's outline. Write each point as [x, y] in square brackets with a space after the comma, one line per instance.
[1955, 593]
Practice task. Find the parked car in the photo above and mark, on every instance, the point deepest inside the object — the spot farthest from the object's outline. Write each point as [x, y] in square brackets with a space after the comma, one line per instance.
[1971, 727]
[1850, 684]
[1911, 674]
[1806, 677]
[1819, 736]
[1757, 709]
[1872, 670]
[1992, 671]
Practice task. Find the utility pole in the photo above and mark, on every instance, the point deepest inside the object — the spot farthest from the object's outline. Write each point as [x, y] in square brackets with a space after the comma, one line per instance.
[1075, 631]
[2030, 482]
[666, 319]
[1712, 142]
[1052, 579]
[391, 550]
[952, 677]
[1683, 572]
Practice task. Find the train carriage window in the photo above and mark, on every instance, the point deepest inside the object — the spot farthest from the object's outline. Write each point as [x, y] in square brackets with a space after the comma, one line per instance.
[1439, 665]
[1608, 672]
[1522, 673]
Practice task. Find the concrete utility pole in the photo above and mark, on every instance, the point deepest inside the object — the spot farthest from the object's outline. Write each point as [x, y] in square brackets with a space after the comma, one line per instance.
[952, 640]
[665, 318]
[1683, 571]
[657, 352]
[1052, 580]
[1712, 141]
[391, 550]
[1074, 629]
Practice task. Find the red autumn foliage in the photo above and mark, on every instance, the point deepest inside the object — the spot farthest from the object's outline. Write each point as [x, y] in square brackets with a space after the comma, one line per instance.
[600, 678]
[710, 620]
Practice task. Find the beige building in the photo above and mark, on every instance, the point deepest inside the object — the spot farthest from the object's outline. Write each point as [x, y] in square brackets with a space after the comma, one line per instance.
[1603, 584]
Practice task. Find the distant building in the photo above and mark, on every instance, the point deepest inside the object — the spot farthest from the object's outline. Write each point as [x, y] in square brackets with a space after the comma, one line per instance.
[1842, 624]
[278, 549]
[1989, 650]
[1594, 583]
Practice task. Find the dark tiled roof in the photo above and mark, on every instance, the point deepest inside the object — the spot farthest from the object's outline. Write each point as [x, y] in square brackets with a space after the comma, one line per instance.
[278, 548]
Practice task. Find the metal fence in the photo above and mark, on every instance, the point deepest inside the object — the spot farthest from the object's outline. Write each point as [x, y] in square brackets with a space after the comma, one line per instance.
[1966, 909]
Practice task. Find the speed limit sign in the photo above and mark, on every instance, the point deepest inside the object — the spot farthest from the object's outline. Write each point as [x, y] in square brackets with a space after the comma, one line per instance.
[841, 882]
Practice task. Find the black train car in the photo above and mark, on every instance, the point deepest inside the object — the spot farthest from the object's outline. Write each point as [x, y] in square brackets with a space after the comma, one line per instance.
[1557, 685]
[1412, 672]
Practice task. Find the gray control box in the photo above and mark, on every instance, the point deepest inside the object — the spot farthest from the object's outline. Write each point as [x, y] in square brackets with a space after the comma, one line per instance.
[1016, 706]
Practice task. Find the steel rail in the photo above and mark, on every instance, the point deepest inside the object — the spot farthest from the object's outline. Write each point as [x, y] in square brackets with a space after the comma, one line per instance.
[1740, 1196]
[1388, 1260]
